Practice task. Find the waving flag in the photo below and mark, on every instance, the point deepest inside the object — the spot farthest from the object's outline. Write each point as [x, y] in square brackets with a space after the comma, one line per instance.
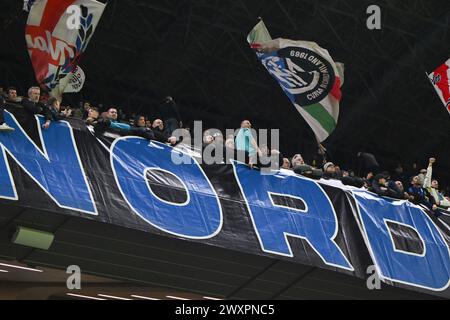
[27, 4]
[440, 80]
[76, 80]
[57, 33]
[306, 73]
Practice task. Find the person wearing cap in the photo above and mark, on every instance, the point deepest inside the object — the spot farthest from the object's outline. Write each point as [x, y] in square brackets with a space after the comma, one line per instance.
[329, 171]
[297, 160]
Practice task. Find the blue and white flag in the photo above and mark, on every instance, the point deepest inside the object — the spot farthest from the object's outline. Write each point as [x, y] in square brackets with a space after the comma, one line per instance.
[307, 74]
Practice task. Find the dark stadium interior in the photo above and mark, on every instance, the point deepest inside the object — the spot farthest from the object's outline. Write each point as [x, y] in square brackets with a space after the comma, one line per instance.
[157, 266]
[196, 52]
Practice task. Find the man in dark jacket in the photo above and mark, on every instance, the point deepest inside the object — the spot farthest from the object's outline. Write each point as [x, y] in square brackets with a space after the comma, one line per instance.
[382, 188]
[367, 163]
[32, 104]
[420, 195]
[52, 112]
[3, 126]
[170, 115]
[159, 131]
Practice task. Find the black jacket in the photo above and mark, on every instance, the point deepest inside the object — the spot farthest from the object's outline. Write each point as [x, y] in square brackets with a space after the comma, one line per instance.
[33, 107]
[367, 163]
[160, 135]
[169, 110]
[52, 114]
[2, 105]
[383, 191]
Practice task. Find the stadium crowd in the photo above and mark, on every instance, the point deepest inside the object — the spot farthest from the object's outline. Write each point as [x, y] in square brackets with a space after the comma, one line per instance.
[416, 186]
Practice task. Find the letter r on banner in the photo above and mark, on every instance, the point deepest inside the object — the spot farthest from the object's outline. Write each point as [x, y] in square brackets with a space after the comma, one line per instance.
[316, 222]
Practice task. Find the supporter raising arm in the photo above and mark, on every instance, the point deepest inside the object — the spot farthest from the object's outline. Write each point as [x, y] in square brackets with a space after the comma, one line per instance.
[429, 173]
[170, 115]
[432, 186]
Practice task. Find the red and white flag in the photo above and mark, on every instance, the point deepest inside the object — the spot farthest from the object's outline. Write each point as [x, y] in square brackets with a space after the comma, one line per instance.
[57, 33]
[440, 80]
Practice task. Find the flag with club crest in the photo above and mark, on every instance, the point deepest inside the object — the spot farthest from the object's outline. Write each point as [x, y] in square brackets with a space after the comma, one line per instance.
[440, 80]
[306, 73]
[57, 34]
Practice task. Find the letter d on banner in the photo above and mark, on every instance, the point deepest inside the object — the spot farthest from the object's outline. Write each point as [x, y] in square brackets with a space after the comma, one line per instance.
[405, 244]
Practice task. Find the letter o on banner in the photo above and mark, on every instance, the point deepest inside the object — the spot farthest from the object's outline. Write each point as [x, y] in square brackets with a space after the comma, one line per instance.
[198, 218]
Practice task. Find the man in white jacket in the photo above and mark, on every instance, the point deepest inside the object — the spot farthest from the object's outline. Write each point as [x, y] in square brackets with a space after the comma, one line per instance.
[432, 186]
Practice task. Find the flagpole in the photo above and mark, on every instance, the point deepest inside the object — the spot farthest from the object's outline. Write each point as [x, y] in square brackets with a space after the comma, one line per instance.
[428, 77]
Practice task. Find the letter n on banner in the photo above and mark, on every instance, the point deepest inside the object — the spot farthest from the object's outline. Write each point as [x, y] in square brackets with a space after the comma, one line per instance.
[57, 169]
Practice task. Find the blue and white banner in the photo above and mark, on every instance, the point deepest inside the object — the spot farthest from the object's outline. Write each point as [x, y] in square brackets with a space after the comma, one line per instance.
[135, 184]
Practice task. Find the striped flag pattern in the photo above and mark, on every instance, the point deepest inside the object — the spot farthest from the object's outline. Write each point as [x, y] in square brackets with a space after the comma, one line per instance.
[306, 73]
[440, 80]
[55, 44]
